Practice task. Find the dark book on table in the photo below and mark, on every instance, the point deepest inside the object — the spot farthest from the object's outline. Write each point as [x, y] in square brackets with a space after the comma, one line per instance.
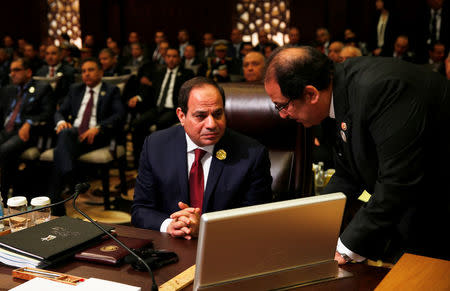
[49, 242]
[110, 252]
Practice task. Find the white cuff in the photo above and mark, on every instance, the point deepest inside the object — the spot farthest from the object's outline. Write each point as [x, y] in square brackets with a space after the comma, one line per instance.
[165, 225]
[344, 250]
[59, 122]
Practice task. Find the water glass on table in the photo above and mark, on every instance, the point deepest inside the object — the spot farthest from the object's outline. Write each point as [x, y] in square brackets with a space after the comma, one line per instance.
[15, 205]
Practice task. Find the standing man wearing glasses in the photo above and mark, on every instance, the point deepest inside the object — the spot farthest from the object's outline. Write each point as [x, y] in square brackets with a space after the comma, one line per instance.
[25, 103]
[388, 121]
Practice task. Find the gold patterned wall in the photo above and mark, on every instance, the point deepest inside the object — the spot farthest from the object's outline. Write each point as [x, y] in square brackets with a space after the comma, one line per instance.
[270, 15]
[64, 17]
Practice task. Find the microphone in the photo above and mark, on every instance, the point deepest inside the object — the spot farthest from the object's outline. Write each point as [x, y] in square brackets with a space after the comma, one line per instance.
[85, 187]
[80, 189]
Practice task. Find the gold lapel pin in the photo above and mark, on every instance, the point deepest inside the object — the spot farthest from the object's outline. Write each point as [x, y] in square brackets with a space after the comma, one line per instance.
[103, 93]
[31, 90]
[344, 126]
[221, 154]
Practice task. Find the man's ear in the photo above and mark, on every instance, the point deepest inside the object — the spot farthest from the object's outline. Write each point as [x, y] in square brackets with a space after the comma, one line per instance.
[181, 115]
[311, 94]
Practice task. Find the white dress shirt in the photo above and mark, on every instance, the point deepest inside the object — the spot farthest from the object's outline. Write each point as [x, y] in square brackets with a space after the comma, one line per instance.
[169, 99]
[86, 97]
[206, 164]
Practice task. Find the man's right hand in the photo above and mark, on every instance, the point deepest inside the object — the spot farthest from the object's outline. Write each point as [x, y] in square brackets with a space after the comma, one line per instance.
[133, 102]
[63, 125]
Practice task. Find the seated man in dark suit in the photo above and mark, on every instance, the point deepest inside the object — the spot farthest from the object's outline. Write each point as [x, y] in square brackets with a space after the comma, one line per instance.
[97, 113]
[110, 65]
[56, 68]
[25, 103]
[198, 167]
[160, 101]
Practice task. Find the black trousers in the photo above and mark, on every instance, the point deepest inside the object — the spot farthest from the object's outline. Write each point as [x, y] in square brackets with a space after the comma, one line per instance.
[11, 147]
[68, 149]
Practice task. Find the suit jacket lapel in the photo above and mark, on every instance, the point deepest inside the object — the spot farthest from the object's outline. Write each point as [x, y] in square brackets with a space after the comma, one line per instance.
[101, 98]
[77, 101]
[344, 127]
[215, 172]
[180, 159]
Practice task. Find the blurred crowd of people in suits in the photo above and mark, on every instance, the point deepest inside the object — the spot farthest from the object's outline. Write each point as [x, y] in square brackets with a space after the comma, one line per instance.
[157, 69]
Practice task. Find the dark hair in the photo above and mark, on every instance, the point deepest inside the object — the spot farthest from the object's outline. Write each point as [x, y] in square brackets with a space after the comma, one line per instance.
[26, 64]
[294, 72]
[94, 60]
[186, 88]
[109, 51]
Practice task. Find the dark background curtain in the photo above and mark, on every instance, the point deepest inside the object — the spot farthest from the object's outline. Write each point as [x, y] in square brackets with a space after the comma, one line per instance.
[116, 18]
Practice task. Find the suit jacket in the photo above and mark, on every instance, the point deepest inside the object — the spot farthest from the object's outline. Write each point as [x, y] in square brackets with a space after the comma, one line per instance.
[182, 76]
[67, 79]
[110, 111]
[390, 34]
[241, 179]
[38, 102]
[391, 119]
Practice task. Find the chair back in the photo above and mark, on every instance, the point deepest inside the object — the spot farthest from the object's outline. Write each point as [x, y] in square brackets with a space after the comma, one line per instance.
[119, 81]
[250, 111]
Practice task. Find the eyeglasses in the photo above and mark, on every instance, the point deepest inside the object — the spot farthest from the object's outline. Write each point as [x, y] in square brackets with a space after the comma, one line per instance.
[280, 107]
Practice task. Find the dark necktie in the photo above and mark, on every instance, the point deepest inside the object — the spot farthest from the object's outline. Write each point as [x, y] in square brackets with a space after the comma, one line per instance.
[10, 125]
[196, 180]
[433, 27]
[84, 125]
[165, 92]
[52, 72]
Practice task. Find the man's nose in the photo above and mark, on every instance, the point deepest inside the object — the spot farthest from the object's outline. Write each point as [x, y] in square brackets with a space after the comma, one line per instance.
[210, 122]
[283, 114]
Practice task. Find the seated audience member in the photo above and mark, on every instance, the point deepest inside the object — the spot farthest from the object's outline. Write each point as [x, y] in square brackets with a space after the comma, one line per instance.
[109, 63]
[4, 67]
[96, 111]
[269, 49]
[436, 57]
[253, 67]
[190, 60]
[323, 39]
[183, 41]
[246, 48]
[160, 36]
[137, 58]
[31, 54]
[350, 52]
[294, 36]
[401, 49]
[70, 56]
[42, 49]
[86, 52]
[25, 103]
[234, 49]
[55, 68]
[334, 51]
[219, 67]
[208, 49]
[133, 37]
[198, 166]
[160, 106]
[263, 41]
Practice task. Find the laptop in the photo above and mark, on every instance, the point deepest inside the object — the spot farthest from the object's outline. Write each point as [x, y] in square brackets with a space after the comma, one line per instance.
[269, 246]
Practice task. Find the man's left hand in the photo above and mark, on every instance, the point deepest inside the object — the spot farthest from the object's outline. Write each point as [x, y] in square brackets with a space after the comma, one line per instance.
[340, 259]
[24, 132]
[89, 135]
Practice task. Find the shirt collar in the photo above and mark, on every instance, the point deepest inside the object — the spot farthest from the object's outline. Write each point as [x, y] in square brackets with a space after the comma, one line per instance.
[96, 89]
[191, 146]
[174, 70]
[332, 114]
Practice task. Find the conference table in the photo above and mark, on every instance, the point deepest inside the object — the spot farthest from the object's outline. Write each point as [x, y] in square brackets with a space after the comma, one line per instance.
[364, 277]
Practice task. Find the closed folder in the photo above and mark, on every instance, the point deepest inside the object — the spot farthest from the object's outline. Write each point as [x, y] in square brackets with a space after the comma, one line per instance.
[110, 252]
[49, 242]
